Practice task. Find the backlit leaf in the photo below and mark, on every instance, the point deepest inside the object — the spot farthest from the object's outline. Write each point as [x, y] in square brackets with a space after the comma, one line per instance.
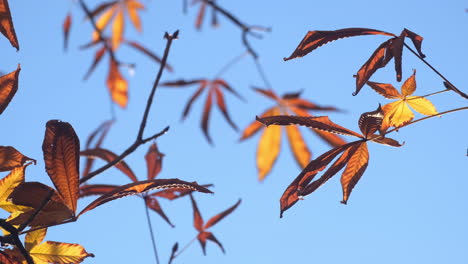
[66, 30]
[197, 218]
[398, 113]
[255, 126]
[206, 116]
[118, 86]
[148, 53]
[386, 90]
[298, 146]
[97, 58]
[96, 189]
[34, 238]
[61, 148]
[7, 186]
[154, 160]
[95, 140]
[117, 30]
[370, 122]
[11, 158]
[201, 15]
[215, 219]
[132, 7]
[194, 97]
[268, 150]
[409, 86]
[153, 204]
[8, 86]
[222, 106]
[421, 105]
[175, 193]
[141, 187]
[357, 164]
[60, 253]
[109, 156]
[315, 39]
[104, 20]
[6, 24]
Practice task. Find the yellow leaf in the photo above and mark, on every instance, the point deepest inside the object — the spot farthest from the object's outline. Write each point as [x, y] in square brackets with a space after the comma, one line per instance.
[103, 21]
[117, 30]
[34, 238]
[298, 146]
[421, 105]
[255, 126]
[60, 253]
[398, 113]
[409, 86]
[117, 85]
[268, 149]
[7, 186]
[132, 8]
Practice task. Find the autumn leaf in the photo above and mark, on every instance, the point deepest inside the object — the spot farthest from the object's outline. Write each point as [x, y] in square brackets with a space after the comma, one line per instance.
[172, 194]
[399, 113]
[204, 235]
[109, 156]
[202, 12]
[8, 86]
[141, 187]
[7, 186]
[6, 24]
[94, 141]
[61, 148]
[117, 85]
[214, 93]
[270, 140]
[11, 158]
[96, 189]
[113, 12]
[153, 161]
[66, 30]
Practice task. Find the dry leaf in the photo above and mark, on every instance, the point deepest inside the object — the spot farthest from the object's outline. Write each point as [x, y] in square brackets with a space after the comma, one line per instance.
[8, 87]
[6, 24]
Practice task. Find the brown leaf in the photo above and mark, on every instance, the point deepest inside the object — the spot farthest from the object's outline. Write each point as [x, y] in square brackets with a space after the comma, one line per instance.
[356, 166]
[66, 30]
[206, 116]
[203, 85]
[200, 16]
[8, 87]
[181, 83]
[109, 156]
[317, 122]
[32, 194]
[204, 236]
[379, 59]
[97, 58]
[6, 24]
[6, 258]
[197, 218]
[11, 158]
[315, 39]
[215, 219]
[61, 148]
[154, 160]
[387, 141]
[385, 89]
[100, 133]
[222, 106]
[370, 122]
[118, 86]
[96, 189]
[175, 193]
[153, 204]
[268, 93]
[227, 87]
[255, 126]
[148, 53]
[141, 187]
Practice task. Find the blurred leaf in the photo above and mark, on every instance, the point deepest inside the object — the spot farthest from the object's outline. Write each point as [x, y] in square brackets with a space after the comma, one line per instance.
[118, 86]
[109, 156]
[148, 53]
[66, 30]
[99, 134]
[153, 161]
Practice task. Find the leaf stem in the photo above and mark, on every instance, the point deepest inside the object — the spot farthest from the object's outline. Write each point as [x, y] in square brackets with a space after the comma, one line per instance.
[452, 87]
[36, 211]
[427, 95]
[230, 63]
[150, 227]
[184, 248]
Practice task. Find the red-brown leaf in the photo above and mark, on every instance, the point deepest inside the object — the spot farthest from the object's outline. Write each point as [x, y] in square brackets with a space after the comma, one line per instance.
[141, 187]
[8, 87]
[11, 158]
[100, 133]
[109, 156]
[154, 160]
[61, 148]
[356, 166]
[97, 58]
[153, 204]
[255, 126]
[215, 219]
[387, 141]
[315, 39]
[379, 59]
[174, 193]
[197, 218]
[96, 189]
[204, 236]
[206, 116]
[267, 93]
[6, 24]
[66, 30]
[148, 53]
[226, 86]
[386, 90]
[194, 97]
[200, 16]
[222, 106]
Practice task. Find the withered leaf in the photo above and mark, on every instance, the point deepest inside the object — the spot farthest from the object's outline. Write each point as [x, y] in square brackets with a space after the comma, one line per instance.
[96, 189]
[141, 187]
[8, 87]
[370, 122]
[61, 148]
[6, 24]
[109, 156]
[99, 134]
[153, 204]
[97, 58]
[11, 158]
[315, 39]
[175, 193]
[153, 161]
[357, 164]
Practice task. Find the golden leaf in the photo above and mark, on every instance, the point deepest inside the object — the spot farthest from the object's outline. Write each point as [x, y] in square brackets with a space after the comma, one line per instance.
[118, 86]
[298, 146]
[268, 149]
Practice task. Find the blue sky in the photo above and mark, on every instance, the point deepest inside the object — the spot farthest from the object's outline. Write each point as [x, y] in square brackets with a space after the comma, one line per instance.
[409, 207]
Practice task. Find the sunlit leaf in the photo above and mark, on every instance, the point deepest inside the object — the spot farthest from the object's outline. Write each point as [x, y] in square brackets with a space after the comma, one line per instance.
[315, 39]
[132, 8]
[58, 252]
[357, 164]
[109, 156]
[117, 30]
[61, 148]
[104, 19]
[118, 86]
[409, 86]
[11, 158]
[8, 85]
[298, 146]
[386, 90]
[141, 187]
[154, 160]
[255, 126]
[421, 105]
[6, 24]
[268, 149]
[7, 186]
[34, 238]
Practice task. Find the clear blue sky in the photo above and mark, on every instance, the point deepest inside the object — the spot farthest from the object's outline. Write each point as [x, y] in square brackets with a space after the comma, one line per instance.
[409, 207]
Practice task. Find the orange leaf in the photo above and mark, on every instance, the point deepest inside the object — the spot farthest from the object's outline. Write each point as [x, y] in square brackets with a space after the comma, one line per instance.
[141, 187]
[298, 146]
[117, 85]
[117, 30]
[315, 39]
[386, 90]
[255, 126]
[109, 157]
[6, 24]
[104, 19]
[132, 8]
[222, 106]
[409, 86]
[61, 149]
[66, 30]
[268, 149]
[357, 164]
[154, 160]
[8, 87]
[96, 189]
[215, 219]
[32, 194]
[11, 158]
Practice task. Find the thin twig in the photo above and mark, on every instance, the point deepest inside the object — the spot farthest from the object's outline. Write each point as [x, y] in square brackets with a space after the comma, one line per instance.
[71, 220]
[13, 238]
[452, 87]
[184, 248]
[230, 63]
[150, 227]
[262, 74]
[36, 211]
[427, 95]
